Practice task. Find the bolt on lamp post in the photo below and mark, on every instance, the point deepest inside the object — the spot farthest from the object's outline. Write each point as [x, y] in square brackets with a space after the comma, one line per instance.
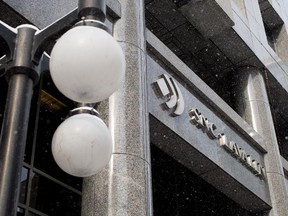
[86, 65]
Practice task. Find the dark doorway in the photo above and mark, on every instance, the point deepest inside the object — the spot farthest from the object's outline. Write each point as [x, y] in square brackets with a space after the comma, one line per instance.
[179, 192]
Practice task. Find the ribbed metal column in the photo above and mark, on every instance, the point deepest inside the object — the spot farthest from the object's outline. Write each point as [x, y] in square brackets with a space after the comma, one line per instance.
[124, 188]
[253, 105]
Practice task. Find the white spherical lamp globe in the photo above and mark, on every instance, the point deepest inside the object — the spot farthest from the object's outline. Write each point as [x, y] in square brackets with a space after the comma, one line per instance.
[87, 64]
[82, 145]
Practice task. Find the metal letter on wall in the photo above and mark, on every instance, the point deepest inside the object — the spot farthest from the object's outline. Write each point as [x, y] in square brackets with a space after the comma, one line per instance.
[168, 87]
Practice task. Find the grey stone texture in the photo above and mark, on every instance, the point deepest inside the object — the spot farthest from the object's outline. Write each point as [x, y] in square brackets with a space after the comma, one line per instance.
[254, 108]
[118, 189]
[125, 184]
[209, 17]
[164, 54]
[196, 150]
[43, 13]
[249, 26]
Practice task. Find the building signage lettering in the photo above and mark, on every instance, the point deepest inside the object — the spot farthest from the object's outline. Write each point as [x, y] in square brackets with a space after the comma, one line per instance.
[203, 123]
[241, 155]
[168, 87]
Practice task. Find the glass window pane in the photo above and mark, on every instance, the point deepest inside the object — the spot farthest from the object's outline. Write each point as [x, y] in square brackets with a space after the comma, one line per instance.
[178, 191]
[32, 214]
[31, 125]
[23, 185]
[53, 110]
[20, 211]
[56, 201]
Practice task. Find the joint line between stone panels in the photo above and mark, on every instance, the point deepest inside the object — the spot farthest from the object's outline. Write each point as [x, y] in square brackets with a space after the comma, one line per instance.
[119, 153]
[257, 100]
[275, 173]
[208, 171]
[200, 92]
[262, 46]
[222, 52]
[132, 45]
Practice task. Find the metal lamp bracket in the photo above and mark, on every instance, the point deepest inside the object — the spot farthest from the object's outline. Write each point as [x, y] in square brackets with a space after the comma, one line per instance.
[89, 12]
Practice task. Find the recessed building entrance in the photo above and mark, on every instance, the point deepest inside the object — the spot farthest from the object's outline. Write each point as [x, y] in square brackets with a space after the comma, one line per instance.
[179, 191]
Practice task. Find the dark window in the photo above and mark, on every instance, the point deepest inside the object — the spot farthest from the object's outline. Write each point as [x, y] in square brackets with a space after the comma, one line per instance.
[45, 188]
[57, 200]
[178, 191]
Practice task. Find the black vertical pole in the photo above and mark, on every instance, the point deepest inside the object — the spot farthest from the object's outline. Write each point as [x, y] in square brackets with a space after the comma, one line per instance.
[15, 122]
[92, 9]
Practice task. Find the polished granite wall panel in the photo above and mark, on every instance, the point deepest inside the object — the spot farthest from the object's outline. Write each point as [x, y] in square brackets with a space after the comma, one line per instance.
[258, 41]
[253, 96]
[256, 23]
[163, 54]
[42, 13]
[126, 181]
[260, 47]
[119, 189]
[220, 10]
[241, 23]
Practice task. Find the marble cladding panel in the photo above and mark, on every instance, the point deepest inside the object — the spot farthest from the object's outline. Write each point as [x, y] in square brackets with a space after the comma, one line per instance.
[240, 5]
[286, 180]
[218, 9]
[260, 122]
[197, 138]
[42, 13]
[256, 26]
[278, 194]
[198, 85]
[260, 51]
[271, 60]
[166, 13]
[226, 7]
[250, 85]
[95, 193]
[229, 43]
[256, 10]
[253, 8]
[249, 6]
[241, 25]
[260, 45]
[253, 106]
[130, 28]
[119, 189]
[190, 37]
[285, 13]
[127, 120]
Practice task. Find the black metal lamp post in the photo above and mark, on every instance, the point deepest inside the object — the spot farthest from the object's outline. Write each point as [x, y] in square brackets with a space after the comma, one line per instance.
[22, 64]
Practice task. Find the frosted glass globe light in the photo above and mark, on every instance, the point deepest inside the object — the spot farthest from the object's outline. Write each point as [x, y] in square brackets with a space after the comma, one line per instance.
[87, 64]
[82, 145]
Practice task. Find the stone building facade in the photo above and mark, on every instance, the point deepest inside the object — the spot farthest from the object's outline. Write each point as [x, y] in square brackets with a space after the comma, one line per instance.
[199, 124]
